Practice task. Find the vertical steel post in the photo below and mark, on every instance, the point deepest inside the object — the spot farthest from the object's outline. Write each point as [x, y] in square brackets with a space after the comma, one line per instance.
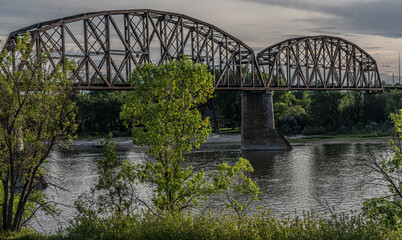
[108, 60]
[86, 51]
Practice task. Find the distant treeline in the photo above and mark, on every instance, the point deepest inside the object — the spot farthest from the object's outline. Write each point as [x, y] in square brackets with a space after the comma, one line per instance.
[99, 113]
[296, 112]
[322, 112]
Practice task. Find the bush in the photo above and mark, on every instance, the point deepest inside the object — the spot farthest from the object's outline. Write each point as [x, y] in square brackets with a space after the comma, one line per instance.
[358, 128]
[371, 126]
[343, 129]
[387, 209]
[290, 125]
[25, 234]
[261, 225]
[314, 130]
[99, 113]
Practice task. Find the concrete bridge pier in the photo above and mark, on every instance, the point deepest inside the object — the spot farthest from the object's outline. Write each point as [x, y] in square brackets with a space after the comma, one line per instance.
[258, 132]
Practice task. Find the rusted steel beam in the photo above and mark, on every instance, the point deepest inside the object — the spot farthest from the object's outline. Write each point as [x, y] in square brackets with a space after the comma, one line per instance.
[318, 62]
[143, 35]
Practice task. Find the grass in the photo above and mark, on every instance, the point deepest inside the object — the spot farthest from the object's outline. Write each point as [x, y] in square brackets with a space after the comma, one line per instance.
[260, 225]
[337, 137]
[228, 131]
[315, 138]
[24, 234]
[97, 135]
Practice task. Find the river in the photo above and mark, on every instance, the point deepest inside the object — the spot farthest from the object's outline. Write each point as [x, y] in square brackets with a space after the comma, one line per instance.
[314, 176]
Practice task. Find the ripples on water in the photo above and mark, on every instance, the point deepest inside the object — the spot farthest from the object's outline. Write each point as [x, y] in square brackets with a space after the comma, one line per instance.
[298, 179]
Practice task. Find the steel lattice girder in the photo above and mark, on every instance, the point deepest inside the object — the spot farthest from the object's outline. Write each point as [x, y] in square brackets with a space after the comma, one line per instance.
[106, 46]
[318, 62]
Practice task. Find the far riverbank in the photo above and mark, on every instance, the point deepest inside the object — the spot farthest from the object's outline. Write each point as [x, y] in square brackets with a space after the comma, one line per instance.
[233, 141]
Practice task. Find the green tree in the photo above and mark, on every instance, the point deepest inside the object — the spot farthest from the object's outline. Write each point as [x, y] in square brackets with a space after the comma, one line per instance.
[351, 108]
[324, 111]
[114, 193]
[99, 112]
[36, 109]
[393, 102]
[388, 209]
[162, 112]
[290, 110]
[228, 103]
[235, 185]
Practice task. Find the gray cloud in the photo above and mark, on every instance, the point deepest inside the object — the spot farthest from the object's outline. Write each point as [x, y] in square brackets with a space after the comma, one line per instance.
[367, 17]
[324, 31]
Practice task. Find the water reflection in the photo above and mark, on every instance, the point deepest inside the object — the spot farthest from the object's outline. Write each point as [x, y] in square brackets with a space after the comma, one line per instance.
[297, 179]
[313, 177]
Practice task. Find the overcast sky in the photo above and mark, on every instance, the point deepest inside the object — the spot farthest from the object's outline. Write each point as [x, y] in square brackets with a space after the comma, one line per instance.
[374, 25]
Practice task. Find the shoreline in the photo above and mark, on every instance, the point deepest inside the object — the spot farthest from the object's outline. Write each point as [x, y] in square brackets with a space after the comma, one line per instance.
[220, 141]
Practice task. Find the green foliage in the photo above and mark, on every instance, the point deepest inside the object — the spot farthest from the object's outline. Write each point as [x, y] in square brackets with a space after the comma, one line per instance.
[114, 193]
[351, 109]
[318, 112]
[99, 112]
[29, 206]
[332, 112]
[389, 102]
[36, 109]
[388, 209]
[324, 109]
[24, 234]
[162, 112]
[162, 108]
[236, 186]
[227, 103]
[261, 225]
[290, 110]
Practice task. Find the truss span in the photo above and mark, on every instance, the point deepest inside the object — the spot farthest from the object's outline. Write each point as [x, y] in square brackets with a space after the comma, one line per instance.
[106, 46]
[318, 62]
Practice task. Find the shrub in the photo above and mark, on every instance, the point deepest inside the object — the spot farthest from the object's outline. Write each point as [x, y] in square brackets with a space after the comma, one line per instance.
[261, 225]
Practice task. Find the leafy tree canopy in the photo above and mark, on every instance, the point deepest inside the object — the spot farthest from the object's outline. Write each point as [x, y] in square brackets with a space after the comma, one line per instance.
[162, 111]
[36, 109]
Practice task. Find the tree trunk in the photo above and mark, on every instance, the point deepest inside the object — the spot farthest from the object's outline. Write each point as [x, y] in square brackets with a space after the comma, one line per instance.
[5, 206]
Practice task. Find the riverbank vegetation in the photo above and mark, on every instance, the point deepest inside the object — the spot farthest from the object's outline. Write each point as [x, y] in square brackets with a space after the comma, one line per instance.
[387, 209]
[163, 112]
[179, 188]
[262, 224]
[296, 112]
[36, 110]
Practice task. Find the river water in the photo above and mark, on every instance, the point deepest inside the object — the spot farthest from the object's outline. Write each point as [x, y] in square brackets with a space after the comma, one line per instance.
[309, 177]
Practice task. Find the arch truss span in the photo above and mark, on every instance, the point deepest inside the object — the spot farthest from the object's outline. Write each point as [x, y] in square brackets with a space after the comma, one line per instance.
[318, 62]
[106, 47]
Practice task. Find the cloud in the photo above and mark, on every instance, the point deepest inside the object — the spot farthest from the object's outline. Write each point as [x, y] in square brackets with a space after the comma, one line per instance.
[360, 16]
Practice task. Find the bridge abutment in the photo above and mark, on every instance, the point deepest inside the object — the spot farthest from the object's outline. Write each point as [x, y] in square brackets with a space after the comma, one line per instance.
[258, 130]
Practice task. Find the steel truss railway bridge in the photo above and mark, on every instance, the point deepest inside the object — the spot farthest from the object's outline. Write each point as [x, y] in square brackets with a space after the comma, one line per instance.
[107, 45]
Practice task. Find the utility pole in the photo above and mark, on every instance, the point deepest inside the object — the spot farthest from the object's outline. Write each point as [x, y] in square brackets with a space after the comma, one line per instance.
[393, 80]
[399, 61]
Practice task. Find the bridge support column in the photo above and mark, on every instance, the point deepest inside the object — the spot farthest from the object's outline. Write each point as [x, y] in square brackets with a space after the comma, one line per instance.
[258, 126]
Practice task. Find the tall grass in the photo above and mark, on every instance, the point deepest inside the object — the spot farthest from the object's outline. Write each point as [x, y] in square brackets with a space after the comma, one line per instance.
[261, 225]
